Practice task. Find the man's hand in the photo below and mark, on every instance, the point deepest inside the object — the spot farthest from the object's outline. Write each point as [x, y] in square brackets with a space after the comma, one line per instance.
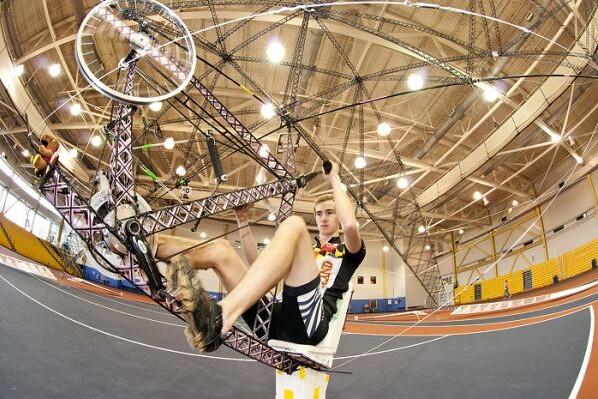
[333, 170]
[242, 213]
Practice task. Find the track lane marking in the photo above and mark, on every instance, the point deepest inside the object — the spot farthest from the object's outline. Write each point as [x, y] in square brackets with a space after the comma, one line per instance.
[365, 328]
[586, 385]
[118, 336]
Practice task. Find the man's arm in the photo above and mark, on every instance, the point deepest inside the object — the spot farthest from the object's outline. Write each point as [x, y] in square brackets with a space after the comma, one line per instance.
[247, 240]
[344, 211]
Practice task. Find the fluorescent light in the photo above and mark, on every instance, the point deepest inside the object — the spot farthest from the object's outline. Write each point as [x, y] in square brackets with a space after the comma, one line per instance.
[275, 52]
[268, 111]
[415, 82]
[169, 143]
[360, 162]
[384, 129]
[54, 70]
[402, 183]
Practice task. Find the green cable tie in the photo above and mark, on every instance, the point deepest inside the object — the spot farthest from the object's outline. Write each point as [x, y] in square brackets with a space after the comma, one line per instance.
[150, 174]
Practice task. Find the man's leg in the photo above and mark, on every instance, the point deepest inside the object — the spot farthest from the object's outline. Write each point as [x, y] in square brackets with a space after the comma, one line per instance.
[218, 255]
[288, 256]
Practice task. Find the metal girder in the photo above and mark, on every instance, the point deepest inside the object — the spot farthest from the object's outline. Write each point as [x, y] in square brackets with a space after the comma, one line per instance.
[76, 211]
[176, 215]
[121, 162]
[519, 120]
[290, 91]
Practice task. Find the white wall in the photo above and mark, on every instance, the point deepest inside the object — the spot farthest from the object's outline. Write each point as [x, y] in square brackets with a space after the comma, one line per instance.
[563, 210]
[568, 205]
[415, 295]
[573, 237]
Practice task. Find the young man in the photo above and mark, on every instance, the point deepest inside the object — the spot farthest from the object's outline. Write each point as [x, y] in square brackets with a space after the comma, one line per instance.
[311, 284]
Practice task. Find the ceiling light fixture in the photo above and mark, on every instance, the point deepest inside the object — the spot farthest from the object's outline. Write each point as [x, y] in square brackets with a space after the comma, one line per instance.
[96, 141]
[54, 70]
[272, 217]
[385, 248]
[268, 111]
[156, 106]
[477, 196]
[490, 94]
[428, 247]
[75, 109]
[180, 170]
[264, 151]
[203, 234]
[168, 143]
[266, 241]
[384, 129]
[275, 52]
[19, 69]
[555, 138]
[25, 153]
[415, 82]
[515, 202]
[402, 183]
[360, 162]
[421, 228]
[461, 231]
[578, 159]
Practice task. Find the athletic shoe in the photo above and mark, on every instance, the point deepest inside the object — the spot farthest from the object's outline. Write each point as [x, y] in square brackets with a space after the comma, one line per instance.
[203, 314]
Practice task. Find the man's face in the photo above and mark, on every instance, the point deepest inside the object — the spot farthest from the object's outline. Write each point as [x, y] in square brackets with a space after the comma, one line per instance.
[326, 218]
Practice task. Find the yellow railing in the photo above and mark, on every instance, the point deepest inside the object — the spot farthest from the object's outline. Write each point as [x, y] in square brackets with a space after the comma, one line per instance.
[565, 266]
[29, 246]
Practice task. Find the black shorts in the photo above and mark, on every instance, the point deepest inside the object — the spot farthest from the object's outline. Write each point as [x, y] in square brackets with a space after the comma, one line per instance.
[301, 317]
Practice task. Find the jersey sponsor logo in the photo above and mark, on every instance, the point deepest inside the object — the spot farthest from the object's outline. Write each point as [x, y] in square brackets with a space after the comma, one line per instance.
[325, 272]
[329, 258]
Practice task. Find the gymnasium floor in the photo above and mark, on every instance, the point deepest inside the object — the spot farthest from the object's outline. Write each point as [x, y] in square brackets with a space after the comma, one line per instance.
[58, 340]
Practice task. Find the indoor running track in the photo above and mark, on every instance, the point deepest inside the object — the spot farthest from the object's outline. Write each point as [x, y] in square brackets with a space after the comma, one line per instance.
[58, 341]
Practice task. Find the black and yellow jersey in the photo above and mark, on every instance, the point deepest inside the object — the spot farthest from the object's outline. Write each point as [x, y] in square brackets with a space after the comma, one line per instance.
[337, 265]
